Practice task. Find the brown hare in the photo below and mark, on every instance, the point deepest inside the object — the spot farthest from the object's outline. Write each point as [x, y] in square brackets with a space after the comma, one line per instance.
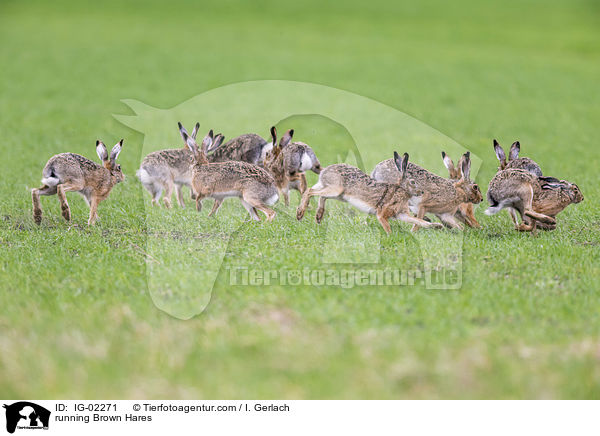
[288, 162]
[465, 211]
[72, 172]
[168, 170]
[442, 197]
[385, 200]
[253, 185]
[536, 199]
[249, 147]
[514, 161]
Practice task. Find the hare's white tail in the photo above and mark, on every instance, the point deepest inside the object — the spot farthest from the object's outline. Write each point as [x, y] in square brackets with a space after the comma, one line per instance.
[50, 181]
[494, 209]
[144, 177]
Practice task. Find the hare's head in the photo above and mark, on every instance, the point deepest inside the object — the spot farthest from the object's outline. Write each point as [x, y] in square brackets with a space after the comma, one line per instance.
[470, 188]
[513, 154]
[571, 189]
[285, 140]
[209, 143]
[407, 183]
[109, 161]
[575, 193]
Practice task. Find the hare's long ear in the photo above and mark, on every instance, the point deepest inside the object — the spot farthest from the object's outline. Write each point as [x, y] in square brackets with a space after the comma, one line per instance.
[114, 153]
[287, 138]
[466, 166]
[448, 162]
[189, 141]
[195, 131]
[217, 141]
[101, 150]
[499, 152]
[514, 151]
[274, 135]
[401, 163]
[207, 141]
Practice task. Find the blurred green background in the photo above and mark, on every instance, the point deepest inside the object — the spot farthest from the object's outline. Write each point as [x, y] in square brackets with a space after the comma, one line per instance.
[77, 314]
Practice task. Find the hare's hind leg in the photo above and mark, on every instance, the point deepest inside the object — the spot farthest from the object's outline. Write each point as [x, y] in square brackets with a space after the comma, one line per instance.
[258, 203]
[407, 218]
[251, 210]
[35, 198]
[450, 221]
[320, 210]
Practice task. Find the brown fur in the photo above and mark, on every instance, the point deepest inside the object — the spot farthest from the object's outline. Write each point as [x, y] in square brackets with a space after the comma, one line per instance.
[537, 199]
[253, 185]
[384, 200]
[72, 172]
[442, 197]
[284, 162]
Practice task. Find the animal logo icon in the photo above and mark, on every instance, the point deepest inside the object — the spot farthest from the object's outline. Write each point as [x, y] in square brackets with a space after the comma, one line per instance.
[26, 415]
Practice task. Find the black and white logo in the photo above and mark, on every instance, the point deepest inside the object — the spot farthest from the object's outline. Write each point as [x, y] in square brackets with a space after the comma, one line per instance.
[26, 415]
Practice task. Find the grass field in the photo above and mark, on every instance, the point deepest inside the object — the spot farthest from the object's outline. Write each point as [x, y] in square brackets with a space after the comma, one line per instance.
[77, 318]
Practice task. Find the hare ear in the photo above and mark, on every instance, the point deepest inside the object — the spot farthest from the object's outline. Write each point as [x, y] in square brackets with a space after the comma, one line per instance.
[218, 140]
[514, 151]
[207, 141]
[114, 153]
[499, 152]
[195, 131]
[287, 138]
[189, 141]
[274, 135]
[184, 134]
[447, 162]
[401, 163]
[101, 150]
[466, 166]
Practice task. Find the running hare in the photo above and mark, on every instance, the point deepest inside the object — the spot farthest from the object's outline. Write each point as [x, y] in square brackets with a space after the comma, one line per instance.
[537, 199]
[72, 172]
[384, 200]
[253, 185]
[249, 148]
[288, 161]
[169, 169]
[442, 197]
[514, 161]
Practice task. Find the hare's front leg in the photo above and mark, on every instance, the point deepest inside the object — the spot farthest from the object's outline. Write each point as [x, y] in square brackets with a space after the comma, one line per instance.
[216, 206]
[179, 195]
[93, 210]
[383, 219]
[303, 184]
[168, 194]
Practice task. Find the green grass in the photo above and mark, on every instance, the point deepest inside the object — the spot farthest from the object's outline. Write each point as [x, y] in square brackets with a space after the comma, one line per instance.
[78, 319]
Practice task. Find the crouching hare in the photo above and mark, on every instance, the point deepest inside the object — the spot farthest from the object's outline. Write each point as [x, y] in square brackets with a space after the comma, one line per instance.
[288, 162]
[253, 185]
[72, 172]
[536, 199]
[385, 200]
[441, 197]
